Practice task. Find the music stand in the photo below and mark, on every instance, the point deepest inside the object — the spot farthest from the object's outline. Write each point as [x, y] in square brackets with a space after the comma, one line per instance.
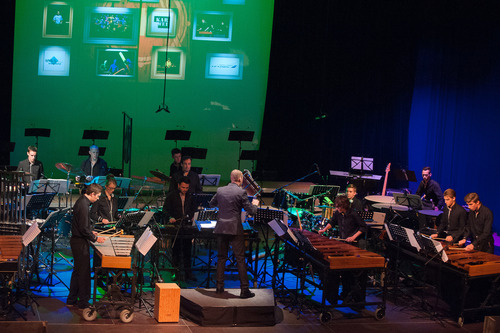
[195, 153]
[39, 201]
[411, 201]
[361, 163]
[177, 135]
[240, 136]
[125, 203]
[433, 248]
[49, 186]
[95, 135]
[403, 175]
[203, 199]
[250, 155]
[210, 180]
[84, 151]
[37, 132]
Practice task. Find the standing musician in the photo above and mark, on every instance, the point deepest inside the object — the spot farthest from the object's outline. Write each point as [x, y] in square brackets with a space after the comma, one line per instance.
[355, 203]
[453, 218]
[31, 166]
[94, 165]
[82, 234]
[231, 199]
[479, 227]
[105, 210]
[351, 226]
[430, 191]
[176, 164]
[194, 186]
[179, 208]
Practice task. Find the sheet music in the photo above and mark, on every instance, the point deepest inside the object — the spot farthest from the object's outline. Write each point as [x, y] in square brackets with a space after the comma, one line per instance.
[439, 248]
[411, 237]
[388, 232]
[31, 234]
[146, 241]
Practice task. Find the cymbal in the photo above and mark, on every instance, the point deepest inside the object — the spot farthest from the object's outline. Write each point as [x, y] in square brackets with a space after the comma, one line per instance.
[380, 198]
[430, 212]
[160, 175]
[389, 205]
[154, 180]
[64, 167]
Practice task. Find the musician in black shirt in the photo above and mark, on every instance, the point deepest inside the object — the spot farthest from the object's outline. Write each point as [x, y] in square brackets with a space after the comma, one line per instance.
[194, 185]
[32, 168]
[179, 209]
[105, 210]
[82, 234]
[430, 191]
[351, 227]
[453, 218]
[176, 164]
[479, 226]
[356, 204]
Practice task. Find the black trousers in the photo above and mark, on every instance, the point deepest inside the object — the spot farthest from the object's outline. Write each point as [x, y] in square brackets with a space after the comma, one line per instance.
[181, 252]
[238, 245]
[79, 288]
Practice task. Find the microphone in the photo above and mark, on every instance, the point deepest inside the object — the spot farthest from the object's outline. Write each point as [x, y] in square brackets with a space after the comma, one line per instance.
[317, 169]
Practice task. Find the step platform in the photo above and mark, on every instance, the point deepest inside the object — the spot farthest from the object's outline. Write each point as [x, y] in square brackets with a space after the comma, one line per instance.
[206, 308]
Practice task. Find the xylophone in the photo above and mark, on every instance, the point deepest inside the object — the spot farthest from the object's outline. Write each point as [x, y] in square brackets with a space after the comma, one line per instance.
[340, 255]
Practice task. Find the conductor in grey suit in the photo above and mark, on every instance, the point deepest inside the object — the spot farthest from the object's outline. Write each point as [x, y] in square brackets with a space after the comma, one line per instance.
[230, 200]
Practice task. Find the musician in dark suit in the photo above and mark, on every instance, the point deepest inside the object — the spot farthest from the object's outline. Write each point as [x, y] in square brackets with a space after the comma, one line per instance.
[453, 218]
[479, 229]
[178, 209]
[351, 227]
[194, 185]
[230, 200]
[31, 166]
[355, 203]
[176, 164]
[94, 165]
[430, 191]
[82, 234]
[105, 210]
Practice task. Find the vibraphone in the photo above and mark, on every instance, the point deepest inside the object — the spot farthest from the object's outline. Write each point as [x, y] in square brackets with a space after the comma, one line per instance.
[116, 260]
[469, 282]
[327, 256]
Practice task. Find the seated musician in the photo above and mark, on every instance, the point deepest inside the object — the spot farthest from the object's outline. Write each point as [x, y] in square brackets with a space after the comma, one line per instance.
[453, 218]
[479, 226]
[351, 227]
[355, 203]
[94, 165]
[194, 186]
[105, 210]
[179, 208]
[176, 164]
[430, 191]
[32, 168]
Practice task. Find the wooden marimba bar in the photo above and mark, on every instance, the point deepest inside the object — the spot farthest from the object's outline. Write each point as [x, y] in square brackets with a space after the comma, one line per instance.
[475, 263]
[340, 255]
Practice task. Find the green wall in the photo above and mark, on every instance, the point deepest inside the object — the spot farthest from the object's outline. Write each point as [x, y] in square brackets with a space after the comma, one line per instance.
[82, 100]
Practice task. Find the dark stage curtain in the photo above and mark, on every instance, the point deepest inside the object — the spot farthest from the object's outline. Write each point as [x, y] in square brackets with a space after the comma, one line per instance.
[455, 113]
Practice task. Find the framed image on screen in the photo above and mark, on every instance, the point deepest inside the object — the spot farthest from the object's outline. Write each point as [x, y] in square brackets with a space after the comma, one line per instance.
[214, 26]
[224, 66]
[53, 61]
[57, 20]
[116, 62]
[162, 22]
[111, 25]
[174, 63]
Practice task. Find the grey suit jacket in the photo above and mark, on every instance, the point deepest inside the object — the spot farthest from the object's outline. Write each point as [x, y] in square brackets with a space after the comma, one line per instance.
[231, 199]
[36, 169]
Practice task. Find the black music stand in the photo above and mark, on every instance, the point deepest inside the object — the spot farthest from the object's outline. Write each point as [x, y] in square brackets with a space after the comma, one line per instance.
[403, 175]
[194, 153]
[84, 151]
[95, 135]
[262, 218]
[240, 136]
[249, 155]
[177, 135]
[203, 199]
[40, 202]
[411, 201]
[37, 132]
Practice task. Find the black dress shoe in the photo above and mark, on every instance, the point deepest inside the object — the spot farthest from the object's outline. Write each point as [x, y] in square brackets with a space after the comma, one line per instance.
[84, 305]
[246, 293]
[71, 303]
[219, 290]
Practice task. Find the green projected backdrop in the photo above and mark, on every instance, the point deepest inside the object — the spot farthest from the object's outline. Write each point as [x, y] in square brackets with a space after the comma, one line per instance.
[79, 65]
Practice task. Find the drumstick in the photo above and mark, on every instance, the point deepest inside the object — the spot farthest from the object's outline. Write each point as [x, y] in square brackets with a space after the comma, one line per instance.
[343, 240]
[298, 218]
[106, 231]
